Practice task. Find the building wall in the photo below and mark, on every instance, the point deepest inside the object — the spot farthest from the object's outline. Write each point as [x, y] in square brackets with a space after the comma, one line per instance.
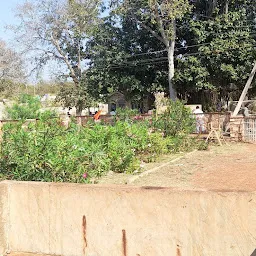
[79, 220]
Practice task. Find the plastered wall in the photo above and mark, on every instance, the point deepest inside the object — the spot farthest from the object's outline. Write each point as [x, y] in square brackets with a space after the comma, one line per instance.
[78, 220]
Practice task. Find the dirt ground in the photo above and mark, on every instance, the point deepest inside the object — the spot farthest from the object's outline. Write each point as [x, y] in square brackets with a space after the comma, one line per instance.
[230, 167]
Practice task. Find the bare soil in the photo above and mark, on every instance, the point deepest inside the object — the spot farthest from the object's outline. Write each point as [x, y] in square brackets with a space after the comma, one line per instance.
[230, 167]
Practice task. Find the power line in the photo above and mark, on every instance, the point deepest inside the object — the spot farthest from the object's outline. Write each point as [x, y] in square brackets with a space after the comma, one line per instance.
[183, 47]
[161, 51]
[162, 60]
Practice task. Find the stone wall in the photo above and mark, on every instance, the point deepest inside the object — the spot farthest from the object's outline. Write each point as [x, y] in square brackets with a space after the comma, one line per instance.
[79, 220]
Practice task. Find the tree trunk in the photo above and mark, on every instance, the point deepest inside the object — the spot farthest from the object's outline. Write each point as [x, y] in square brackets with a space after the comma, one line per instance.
[170, 50]
[79, 110]
[226, 6]
[212, 4]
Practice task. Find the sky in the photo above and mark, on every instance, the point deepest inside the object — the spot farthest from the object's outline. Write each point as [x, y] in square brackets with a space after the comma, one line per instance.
[7, 17]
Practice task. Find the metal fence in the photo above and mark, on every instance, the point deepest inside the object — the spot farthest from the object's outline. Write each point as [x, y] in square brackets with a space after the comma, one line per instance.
[250, 129]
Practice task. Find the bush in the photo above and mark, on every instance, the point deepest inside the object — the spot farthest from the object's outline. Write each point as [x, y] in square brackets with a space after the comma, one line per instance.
[176, 120]
[126, 114]
[27, 107]
[45, 150]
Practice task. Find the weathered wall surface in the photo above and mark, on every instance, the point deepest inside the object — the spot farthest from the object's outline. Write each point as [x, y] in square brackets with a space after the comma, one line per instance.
[3, 217]
[237, 128]
[78, 220]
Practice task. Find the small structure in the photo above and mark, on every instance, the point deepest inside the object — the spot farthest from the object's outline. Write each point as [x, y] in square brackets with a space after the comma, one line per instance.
[117, 100]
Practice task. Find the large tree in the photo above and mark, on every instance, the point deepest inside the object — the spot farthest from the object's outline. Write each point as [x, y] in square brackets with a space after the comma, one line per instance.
[11, 64]
[217, 53]
[159, 18]
[119, 61]
[57, 30]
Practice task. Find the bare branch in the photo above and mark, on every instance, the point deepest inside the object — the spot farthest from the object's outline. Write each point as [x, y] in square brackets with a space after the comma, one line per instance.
[72, 72]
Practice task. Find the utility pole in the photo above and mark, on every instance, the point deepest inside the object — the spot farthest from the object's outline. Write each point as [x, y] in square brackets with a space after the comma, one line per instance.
[246, 88]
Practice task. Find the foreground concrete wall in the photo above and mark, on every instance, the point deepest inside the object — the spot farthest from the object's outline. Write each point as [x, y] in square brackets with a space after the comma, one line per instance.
[3, 217]
[77, 220]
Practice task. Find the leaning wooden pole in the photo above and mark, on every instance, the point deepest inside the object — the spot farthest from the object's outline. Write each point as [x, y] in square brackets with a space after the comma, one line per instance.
[246, 88]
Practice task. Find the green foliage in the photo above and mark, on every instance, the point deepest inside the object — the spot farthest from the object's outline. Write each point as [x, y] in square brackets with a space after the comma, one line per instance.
[27, 107]
[202, 145]
[126, 114]
[46, 151]
[127, 50]
[217, 66]
[75, 96]
[113, 67]
[176, 120]
[214, 50]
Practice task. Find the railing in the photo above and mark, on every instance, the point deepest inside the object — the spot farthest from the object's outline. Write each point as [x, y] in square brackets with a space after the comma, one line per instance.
[250, 129]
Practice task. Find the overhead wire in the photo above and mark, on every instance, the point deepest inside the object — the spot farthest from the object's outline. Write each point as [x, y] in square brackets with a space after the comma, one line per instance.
[179, 48]
[162, 60]
[146, 61]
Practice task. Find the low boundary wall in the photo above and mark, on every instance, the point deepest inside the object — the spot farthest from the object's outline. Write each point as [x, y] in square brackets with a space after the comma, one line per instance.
[4, 221]
[92, 220]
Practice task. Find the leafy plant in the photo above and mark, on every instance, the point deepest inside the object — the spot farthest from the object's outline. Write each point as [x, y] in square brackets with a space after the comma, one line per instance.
[27, 107]
[126, 114]
[176, 120]
[44, 150]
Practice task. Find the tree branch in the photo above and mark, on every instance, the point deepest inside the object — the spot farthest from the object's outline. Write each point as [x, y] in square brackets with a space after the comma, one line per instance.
[149, 29]
[72, 72]
[160, 25]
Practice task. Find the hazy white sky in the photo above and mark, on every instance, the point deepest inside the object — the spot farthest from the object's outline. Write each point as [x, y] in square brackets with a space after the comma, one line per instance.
[7, 17]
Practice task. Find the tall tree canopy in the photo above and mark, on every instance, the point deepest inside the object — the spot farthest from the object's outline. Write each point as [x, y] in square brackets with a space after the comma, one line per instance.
[211, 44]
[58, 30]
[218, 53]
[158, 18]
[11, 64]
[118, 62]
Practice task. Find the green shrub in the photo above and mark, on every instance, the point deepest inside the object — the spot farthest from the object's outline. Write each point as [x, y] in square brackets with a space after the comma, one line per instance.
[47, 151]
[202, 145]
[126, 114]
[27, 107]
[176, 120]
